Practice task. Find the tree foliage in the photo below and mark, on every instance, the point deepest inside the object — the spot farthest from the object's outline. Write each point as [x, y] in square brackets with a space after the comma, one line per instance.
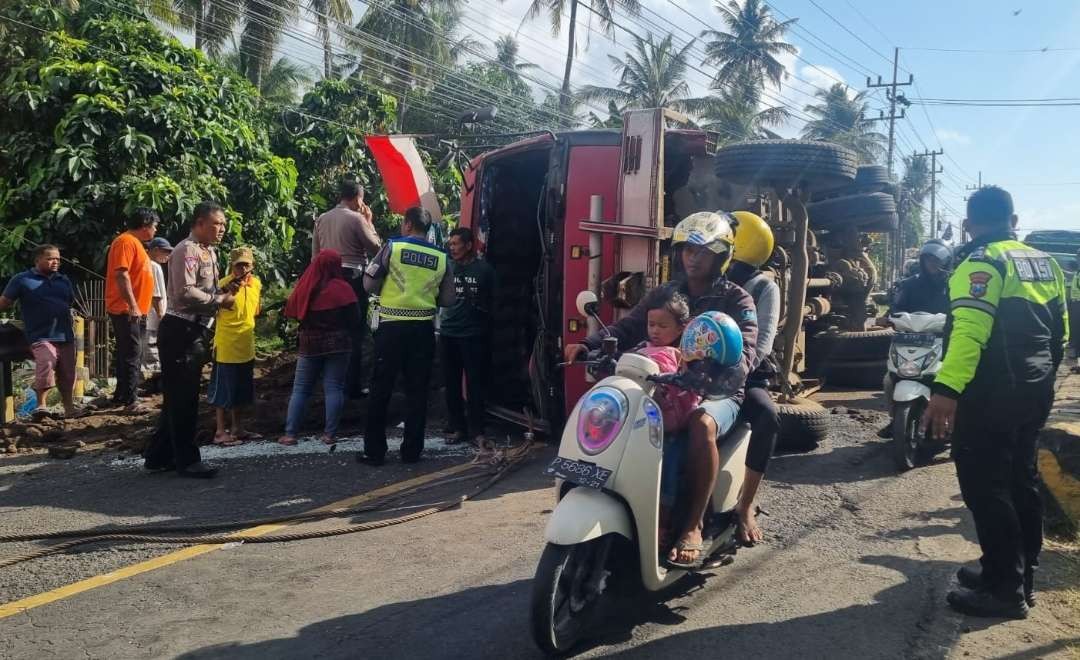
[914, 189]
[101, 114]
[841, 118]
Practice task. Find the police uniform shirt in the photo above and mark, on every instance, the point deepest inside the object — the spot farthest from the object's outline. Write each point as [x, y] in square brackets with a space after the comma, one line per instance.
[193, 278]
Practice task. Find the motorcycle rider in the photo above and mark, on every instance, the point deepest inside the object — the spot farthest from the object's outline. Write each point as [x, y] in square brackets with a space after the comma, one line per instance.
[753, 247]
[702, 245]
[926, 291]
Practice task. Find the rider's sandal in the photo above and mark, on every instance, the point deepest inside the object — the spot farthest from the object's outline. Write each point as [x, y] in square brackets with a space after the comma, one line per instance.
[693, 564]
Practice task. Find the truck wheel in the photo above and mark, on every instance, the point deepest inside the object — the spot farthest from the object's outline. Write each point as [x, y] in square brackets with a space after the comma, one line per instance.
[873, 175]
[848, 210]
[878, 224]
[860, 374]
[786, 163]
[854, 346]
[803, 424]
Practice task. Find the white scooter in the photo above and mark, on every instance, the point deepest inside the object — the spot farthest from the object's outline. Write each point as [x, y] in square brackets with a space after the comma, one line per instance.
[603, 533]
[914, 360]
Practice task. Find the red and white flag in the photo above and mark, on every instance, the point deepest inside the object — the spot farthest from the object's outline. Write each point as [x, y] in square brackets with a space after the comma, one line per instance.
[406, 180]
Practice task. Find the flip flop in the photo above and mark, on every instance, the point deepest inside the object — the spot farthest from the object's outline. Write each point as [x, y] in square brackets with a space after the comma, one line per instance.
[248, 436]
[231, 442]
[693, 564]
[287, 441]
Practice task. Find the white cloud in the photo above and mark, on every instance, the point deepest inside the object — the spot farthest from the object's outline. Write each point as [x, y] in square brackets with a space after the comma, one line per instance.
[822, 76]
[950, 135]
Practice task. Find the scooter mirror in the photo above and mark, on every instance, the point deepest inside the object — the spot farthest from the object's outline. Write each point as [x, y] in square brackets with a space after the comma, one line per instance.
[587, 303]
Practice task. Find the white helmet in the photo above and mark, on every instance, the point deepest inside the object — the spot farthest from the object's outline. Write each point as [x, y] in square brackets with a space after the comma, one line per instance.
[715, 231]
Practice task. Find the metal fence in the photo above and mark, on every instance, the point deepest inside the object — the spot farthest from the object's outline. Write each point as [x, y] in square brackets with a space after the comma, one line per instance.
[90, 302]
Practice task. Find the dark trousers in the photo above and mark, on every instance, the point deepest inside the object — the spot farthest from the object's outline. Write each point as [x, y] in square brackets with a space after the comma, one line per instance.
[354, 377]
[994, 447]
[182, 347]
[407, 348]
[129, 334]
[759, 410]
[469, 357]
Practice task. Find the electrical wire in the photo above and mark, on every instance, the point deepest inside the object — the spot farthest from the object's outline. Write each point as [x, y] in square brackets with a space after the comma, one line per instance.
[852, 33]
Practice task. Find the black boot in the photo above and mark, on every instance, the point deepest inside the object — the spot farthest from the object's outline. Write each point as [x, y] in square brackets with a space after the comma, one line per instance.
[985, 604]
[885, 432]
[971, 578]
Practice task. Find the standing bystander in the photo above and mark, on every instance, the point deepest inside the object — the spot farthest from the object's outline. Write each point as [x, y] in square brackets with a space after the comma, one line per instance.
[159, 249]
[349, 230]
[45, 296]
[465, 336]
[412, 281]
[232, 382]
[184, 343]
[129, 289]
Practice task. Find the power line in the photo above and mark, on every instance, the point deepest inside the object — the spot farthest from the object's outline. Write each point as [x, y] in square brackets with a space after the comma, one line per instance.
[849, 31]
[826, 46]
[993, 50]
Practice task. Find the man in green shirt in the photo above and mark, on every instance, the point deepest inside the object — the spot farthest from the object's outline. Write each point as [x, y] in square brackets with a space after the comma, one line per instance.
[465, 335]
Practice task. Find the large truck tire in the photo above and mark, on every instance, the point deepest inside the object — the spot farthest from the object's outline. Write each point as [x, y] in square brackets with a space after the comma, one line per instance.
[841, 212]
[786, 163]
[855, 346]
[859, 374]
[873, 175]
[803, 425]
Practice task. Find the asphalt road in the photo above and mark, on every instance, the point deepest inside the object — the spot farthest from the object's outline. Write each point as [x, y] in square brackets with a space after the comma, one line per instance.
[856, 565]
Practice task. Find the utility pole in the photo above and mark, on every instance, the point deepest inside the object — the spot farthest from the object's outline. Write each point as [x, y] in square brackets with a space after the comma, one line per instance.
[934, 171]
[894, 98]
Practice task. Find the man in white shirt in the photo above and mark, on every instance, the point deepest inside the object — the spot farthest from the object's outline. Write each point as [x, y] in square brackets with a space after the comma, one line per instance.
[159, 250]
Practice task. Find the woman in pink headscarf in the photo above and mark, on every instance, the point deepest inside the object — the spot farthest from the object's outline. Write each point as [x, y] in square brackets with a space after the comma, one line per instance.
[325, 305]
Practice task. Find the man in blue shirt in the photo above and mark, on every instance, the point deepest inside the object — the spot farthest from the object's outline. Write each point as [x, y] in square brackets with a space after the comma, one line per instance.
[45, 297]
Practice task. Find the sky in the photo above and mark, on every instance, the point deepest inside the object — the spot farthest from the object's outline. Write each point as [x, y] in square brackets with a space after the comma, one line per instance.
[1030, 151]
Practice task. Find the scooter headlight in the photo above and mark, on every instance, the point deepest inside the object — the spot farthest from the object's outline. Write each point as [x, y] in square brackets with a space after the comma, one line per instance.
[602, 416]
[909, 369]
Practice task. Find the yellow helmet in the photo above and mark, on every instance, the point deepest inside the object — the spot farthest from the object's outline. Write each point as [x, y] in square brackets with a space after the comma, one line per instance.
[714, 231]
[753, 239]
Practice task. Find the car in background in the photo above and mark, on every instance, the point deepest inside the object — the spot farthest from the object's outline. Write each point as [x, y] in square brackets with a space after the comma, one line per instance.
[1061, 244]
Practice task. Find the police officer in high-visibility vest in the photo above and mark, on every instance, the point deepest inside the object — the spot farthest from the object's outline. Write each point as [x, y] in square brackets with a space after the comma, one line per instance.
[412, 280]
[993, 394]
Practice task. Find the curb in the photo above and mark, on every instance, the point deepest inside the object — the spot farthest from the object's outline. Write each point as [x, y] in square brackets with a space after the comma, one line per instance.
[1059, 450]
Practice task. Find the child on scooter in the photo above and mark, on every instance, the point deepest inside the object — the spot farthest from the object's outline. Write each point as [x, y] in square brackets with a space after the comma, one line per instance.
[668, 315]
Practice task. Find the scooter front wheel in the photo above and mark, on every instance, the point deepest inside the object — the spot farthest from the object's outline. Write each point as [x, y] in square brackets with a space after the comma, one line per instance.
[907, 442]
[566, 588]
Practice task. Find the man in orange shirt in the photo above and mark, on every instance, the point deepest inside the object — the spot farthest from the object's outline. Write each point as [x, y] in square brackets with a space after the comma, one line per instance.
[129, 288]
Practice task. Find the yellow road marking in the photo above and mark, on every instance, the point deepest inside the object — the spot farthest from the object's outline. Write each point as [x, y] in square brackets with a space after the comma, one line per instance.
[30, 602]
[1065, 487]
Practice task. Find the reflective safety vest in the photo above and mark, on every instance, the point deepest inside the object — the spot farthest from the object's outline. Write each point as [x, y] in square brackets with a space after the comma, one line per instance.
[1074, 290]
[1009, 320]
[414, 274]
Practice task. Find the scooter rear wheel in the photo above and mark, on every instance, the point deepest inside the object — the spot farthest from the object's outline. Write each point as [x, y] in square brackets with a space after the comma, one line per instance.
[907, 447]
[564, 594]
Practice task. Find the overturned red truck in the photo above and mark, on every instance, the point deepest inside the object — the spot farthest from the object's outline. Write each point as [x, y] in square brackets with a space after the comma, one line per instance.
[594, 209]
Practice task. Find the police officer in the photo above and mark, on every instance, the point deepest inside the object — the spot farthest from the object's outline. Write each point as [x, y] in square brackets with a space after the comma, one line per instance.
[412, 281]
[993, 394]
[184, 342]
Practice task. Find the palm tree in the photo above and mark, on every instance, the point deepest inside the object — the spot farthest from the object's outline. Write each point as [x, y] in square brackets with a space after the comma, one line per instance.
[653, 76]
[264, 21]
[506, 55]
[416, 31]
[604, 9]
[735, 113]
[750, 46]
[281, 83]
[841, 118]
[210, 21]
[329, 14]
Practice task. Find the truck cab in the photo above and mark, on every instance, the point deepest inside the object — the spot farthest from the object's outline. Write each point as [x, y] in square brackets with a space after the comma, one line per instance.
[557, 214]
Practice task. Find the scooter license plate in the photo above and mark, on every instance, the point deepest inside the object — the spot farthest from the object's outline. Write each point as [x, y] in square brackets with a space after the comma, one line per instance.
[915, 339]
[578, 472]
